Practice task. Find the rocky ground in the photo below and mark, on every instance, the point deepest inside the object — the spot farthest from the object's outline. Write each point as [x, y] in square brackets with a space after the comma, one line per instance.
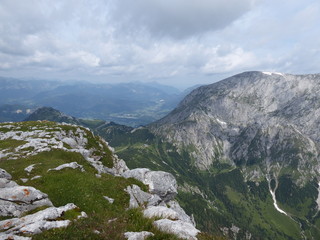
[26, 210]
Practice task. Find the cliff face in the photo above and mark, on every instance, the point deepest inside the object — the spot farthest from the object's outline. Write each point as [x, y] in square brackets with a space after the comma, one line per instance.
[61, 176]
[269, 119]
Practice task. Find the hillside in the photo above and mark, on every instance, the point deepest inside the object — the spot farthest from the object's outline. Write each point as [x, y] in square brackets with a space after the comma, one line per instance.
[245, 152]
[59, 181]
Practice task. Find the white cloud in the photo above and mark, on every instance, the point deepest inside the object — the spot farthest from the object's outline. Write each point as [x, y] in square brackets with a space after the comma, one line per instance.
[176, 41]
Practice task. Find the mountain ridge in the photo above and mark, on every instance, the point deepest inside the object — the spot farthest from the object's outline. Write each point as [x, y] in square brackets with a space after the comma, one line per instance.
[245, 151]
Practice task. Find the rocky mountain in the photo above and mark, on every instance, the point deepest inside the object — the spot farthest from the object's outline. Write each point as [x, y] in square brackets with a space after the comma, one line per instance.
[127, 103]
[51, 114]
[245, 152]
[251, 118]
[60, 181]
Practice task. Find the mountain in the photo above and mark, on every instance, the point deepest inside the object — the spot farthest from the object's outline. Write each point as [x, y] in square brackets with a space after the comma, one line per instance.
[60, 181]
[127, 103]
[51, 114]
[254, 117]
[245, 152]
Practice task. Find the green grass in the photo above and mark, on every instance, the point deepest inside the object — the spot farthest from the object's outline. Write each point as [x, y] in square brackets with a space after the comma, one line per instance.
[10, 144]
[81, 188]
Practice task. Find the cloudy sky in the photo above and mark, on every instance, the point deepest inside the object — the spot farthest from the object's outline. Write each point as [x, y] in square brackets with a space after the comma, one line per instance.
[176, 42]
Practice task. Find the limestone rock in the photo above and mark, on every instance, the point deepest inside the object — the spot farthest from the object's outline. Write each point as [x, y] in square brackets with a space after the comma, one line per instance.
[16, 200]
[139, 197]
[181, 229]
[29, 168]
[110, 200]
[37, 222]
[5, 174]
[161, 183]
[138, 235]
[160, 212]
[72, 165]
[174, 205]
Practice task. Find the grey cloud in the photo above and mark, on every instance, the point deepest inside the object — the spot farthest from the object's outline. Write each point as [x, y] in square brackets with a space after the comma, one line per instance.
[178, 18]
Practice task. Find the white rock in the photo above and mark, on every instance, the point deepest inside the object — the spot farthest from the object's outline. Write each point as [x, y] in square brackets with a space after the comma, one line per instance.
[72, 165]
[37, 222]
[5, 174]
[179, 228]
[29, 168]
[35, 177]
[5, 183]
[139, 197]
[110, 200]
[160, 212]
[174, 205]
[161, 183]
[138, 235]
[71, 142]
[24, 180]
[83, 215]
[4, 236]
[19, 199]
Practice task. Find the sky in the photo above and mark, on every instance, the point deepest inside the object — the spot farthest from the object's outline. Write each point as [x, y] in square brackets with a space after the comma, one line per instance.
[174, 42]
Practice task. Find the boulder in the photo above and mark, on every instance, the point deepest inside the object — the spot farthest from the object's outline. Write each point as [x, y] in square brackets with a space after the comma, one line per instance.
[161, 183]
[5, 174]
[37, 222]
[138, 235]
[19, 199]
[139, 197]
[180, 228]
[160, 212]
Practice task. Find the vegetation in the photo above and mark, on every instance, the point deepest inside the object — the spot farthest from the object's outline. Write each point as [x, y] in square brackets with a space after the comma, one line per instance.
[221, 197]
[85, 189]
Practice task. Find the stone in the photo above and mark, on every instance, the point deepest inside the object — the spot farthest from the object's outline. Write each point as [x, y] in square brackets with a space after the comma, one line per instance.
[174, 205]
[5, 183]
[139, 197]
[160, 212]
[161, 183]
[72, 165]
[29, 168]
[110, 200]
[138, 235]
[5, 174]
[37, 222]
[180, 228]
[16, 200]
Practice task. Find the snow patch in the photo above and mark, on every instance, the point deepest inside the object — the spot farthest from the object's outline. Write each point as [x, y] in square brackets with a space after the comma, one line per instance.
[270, 73]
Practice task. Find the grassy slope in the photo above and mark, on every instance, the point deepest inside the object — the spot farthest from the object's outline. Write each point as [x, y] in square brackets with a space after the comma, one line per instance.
[82, 188]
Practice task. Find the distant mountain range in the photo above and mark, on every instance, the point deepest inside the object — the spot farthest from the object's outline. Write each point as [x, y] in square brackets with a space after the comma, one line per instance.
[126, 103]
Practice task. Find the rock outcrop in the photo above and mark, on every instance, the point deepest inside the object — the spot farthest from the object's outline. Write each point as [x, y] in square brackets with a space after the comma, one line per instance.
[160, 183]
[159, 203]
[17, 201]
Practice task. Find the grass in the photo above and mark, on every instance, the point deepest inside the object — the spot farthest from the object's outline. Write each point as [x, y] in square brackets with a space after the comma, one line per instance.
[81, 188]
[10, 144]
